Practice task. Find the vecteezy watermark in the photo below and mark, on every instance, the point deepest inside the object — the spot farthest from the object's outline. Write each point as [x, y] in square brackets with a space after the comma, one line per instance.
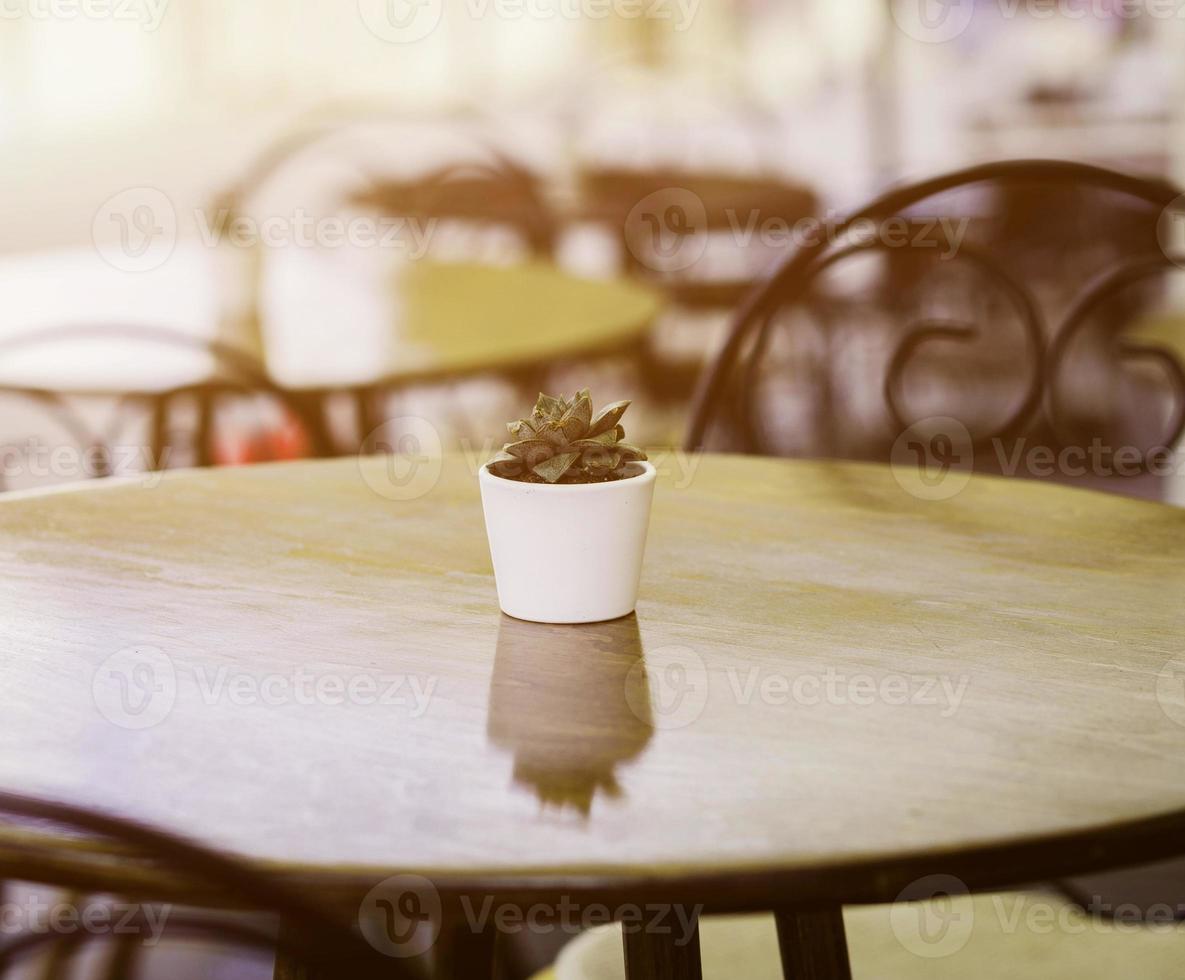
[407, 21]
[935, 917]
[401, 917]
[36, 914]
[137, 230]
[304, 686]
[1170, 690]
[668, 231]
[135, 687]
[1098, 459]
[1170, 231]
[933, 459]
[840, 688]
[147, 13]
[402, 459]
[39, 460]
[138, 687]
[930, 917]
[938, 21]
[300, 229]
[668, 688]
[401, 21]
[571, 918]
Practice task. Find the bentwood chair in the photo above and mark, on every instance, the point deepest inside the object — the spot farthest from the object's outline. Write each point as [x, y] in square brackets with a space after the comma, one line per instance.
[222, 374]
[997, 296]
[399, 167]
[702, 238]
[226, 902]
[1009, 320]
[1010, 936]
[450, 192]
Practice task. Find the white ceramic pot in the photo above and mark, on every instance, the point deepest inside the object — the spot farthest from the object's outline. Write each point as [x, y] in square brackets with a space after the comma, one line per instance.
[567, 553]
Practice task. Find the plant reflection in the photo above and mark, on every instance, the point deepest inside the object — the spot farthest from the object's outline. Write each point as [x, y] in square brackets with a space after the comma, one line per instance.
[570, 705]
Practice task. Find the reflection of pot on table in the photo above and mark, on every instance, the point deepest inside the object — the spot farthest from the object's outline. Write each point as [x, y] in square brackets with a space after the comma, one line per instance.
[571, 703]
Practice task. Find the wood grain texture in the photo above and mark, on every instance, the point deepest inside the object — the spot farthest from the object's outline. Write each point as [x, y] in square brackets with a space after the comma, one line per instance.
[663, 955]
[812, 945]
[998, 658]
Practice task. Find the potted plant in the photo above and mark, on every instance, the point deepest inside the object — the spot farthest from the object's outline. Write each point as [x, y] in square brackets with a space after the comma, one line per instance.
[567, 505]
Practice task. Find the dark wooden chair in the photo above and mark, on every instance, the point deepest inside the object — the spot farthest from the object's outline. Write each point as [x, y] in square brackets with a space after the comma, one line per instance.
[478, 184]
[699, 238]
[228, 903]
[477, 191]
[996, 296]
[234, 373]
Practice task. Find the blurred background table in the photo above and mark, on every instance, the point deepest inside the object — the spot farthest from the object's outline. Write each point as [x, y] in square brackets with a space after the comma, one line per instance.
[440, 323]
[453, 319]
[830, 689]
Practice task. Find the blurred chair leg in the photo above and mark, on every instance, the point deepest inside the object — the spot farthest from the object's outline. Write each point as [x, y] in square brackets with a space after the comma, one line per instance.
[530, 380]
[158, 431]
[661, 956]
[61, 953]
[312, 415]
[813, 944]
[357, 963]
[125, 955]
[202, 433]
[365, 416]
[287, 968]
[463, 953]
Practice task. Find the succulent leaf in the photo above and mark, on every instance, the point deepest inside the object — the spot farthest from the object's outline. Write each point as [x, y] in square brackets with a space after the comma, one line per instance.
[571, 427]
[596, 442]
[630, 453]
[607, 417]
[563, 441]
[504, 464]
[555, 467]
[582, 410]
[547, 407]
[553, 436]
[521, 429]
[531, 451]
[600, 463]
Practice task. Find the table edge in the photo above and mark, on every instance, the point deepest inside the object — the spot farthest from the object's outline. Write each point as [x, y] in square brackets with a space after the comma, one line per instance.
[976, 867]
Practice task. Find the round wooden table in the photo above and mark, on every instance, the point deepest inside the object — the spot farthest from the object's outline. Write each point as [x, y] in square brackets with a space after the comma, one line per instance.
[446, 320]
[440, 322]
[831, 689]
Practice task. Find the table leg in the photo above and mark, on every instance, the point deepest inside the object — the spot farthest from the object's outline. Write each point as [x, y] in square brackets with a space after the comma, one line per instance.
[813, 944]
[158, 431]
[365, 417]
[661, 956]
[356, 963]
[463, 953]
[312, 414]
[203, 430]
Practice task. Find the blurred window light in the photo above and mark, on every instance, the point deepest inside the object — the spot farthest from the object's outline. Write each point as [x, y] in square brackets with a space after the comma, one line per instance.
[79, 72]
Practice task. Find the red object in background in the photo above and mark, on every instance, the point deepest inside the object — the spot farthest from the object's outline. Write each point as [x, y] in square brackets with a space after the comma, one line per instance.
[260, 440]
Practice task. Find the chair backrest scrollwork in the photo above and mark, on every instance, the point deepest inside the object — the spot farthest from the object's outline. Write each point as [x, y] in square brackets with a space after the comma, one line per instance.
[1004, 283]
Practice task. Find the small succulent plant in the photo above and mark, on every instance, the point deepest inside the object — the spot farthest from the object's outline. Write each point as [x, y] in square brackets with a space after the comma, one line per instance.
[564, 442]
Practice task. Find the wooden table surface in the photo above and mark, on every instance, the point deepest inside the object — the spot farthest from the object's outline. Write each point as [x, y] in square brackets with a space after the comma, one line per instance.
[828, 681]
